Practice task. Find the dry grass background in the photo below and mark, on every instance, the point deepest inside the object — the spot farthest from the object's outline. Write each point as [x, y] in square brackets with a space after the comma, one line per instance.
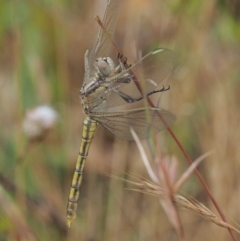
[42, 47]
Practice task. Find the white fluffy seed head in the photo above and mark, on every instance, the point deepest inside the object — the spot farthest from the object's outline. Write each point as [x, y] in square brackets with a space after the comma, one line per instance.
[38, 121]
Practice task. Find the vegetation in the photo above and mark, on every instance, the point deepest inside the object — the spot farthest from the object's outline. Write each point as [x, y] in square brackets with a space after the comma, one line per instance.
[42, 47]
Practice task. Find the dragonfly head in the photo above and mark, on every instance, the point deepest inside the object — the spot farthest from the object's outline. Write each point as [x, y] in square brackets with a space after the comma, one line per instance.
[104, 66]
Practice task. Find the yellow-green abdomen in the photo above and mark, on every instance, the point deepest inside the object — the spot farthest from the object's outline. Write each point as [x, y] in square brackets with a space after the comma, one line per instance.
[89, 128]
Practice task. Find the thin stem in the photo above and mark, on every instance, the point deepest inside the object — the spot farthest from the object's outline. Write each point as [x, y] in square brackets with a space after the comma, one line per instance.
[106, 33]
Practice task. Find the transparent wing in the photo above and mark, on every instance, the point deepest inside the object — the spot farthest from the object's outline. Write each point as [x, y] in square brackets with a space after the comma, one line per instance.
[103, 44]
[150, 71]
[119, 123]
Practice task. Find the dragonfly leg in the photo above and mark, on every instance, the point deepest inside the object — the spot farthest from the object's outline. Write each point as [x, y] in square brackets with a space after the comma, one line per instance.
[123, 61]
[161, 90]
[126, 64]
[118, 69]
[120, 66]
[119, 56]
[130, 99]
[126, 97]
[125, 79]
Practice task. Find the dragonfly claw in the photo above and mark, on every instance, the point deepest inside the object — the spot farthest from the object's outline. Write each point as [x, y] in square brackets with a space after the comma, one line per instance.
[164, 88]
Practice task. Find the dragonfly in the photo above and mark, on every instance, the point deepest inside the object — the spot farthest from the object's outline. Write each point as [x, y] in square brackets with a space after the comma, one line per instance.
[106, 87]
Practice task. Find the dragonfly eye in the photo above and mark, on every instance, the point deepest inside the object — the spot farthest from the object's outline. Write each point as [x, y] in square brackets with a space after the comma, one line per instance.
[104, 66]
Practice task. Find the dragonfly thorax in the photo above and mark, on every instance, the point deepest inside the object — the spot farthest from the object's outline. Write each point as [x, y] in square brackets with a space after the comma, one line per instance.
[89, 87]
[104, 66]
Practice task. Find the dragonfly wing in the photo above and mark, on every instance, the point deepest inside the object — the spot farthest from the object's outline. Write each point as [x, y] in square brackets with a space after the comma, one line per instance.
[150, 70]
[154, 68]
[103, 43]
[142, 120]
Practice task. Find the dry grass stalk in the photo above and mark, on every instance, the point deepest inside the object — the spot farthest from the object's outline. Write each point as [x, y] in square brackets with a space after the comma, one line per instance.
[192, 205]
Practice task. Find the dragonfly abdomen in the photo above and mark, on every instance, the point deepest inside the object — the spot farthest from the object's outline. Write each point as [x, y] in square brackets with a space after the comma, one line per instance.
[89, 128]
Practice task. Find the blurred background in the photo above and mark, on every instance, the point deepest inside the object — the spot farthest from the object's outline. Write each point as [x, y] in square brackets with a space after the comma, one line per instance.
[42, 47]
